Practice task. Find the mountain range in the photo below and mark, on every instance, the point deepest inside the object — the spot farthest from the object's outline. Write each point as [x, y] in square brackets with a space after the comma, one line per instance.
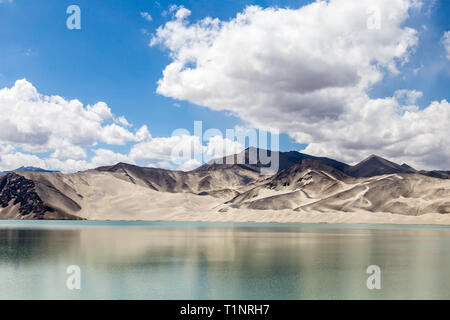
[304, 189]
[26, 169]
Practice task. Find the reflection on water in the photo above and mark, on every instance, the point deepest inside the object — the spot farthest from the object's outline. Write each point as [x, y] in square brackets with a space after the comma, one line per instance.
[221, 261]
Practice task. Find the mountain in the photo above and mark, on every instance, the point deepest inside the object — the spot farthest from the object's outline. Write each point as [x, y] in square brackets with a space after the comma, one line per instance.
[408, 167]
[305, 189]
[376, 166]
[436, 174]
[292, 187]
[222, 179]
[26, 169]
[31, 199]
[372, 166]
[312, 186]
[250, 158]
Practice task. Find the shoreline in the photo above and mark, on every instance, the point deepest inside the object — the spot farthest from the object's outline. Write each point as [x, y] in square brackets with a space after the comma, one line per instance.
[329, 218]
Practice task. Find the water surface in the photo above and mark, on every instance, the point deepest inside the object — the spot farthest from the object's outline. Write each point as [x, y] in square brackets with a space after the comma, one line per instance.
[172, 260]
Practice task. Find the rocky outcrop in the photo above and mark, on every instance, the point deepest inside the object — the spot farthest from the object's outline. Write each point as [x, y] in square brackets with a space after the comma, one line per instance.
[20, 195]
[21, 192]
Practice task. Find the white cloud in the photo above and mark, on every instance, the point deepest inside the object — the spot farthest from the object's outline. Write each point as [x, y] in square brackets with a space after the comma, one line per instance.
[219, 147]
[408, 96]
[146, 16]
[123, 121]
[183, 151]
[15, 160]
[282, 59]
[162, 164]
[446, 43]
[419, 137]
[102, 157]
[107, 157]
[190, 165]
[174, 149]
[38, 123]
[308, 72]
[52, 132]
[6, 148]
[115, 134]
[65, 150]
[180, 12]
[143, 134]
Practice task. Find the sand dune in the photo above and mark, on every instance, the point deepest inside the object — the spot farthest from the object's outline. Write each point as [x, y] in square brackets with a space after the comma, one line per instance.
[309, 191]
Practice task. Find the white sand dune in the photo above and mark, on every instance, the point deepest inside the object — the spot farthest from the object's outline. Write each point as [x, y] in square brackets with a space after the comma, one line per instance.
[308, 192]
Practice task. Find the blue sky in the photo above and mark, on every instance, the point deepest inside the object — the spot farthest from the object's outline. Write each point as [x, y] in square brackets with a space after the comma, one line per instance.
[110, 60]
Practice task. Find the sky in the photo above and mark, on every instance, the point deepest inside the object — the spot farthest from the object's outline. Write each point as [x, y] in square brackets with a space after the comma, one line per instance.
[338, 78]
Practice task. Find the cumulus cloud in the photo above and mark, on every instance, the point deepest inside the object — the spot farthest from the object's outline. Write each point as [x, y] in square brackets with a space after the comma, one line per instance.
[179, 12]
[190, 165]
[11, 161]
[40, 123]
[34, 124]
[420, 137]
[102, 157]
[184, 151]
[308, 72]
[175, 148]
[55, 133]
[283, 59]
[219, 147]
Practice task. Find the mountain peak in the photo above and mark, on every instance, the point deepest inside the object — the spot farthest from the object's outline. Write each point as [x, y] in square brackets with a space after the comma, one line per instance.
[285, 159]
[115, 167]
[375, 166]
[408, 167]
[374, 157]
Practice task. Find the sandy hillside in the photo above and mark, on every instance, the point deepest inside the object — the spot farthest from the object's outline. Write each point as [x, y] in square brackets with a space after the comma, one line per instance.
[311, 190]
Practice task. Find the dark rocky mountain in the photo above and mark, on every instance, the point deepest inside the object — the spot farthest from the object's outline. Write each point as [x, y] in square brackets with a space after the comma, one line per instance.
[408, 167]
[376, 166]
[312, 165]
[436, 174]
[250, 159]
[372, 166]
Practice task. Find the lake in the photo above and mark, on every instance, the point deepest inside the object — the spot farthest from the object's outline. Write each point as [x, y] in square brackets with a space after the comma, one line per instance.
[175, 260]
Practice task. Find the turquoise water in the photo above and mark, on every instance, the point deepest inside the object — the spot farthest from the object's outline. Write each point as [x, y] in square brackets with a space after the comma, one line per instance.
[174, 260]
